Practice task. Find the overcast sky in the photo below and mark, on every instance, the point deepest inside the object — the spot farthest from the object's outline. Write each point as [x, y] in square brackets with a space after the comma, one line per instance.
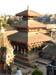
[14, 6]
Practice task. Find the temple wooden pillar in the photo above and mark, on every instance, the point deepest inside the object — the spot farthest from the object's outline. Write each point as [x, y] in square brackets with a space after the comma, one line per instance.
[13, 46]
[16, 47]
[19, 49]
[27, 51]
[24, 51]
[51, 34]
[36, 49]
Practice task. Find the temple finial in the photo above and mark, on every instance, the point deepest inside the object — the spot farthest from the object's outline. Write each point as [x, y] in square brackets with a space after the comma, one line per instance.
[1, 27]
[0, 24]
[27, 7]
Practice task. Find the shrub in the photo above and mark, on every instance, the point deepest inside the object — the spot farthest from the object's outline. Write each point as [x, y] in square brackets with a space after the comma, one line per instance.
[6, 25]
[18, 68]
[37, 72]
[10, 21]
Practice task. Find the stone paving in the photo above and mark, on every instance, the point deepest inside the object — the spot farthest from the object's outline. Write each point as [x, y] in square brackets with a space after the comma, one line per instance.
[40, 67]
[26, 71]
[29, 70]
[43, 68]
[43, 61]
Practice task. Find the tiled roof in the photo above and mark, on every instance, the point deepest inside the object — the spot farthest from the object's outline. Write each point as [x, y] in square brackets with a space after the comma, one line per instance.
[29, 38]
[51, 26]
[29, 24]
[48, 26]
[11, 32]
[28, 13]
[43, 31]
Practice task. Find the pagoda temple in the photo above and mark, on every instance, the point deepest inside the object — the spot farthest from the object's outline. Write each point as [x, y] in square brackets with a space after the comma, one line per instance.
[28, 40]
[6, 50]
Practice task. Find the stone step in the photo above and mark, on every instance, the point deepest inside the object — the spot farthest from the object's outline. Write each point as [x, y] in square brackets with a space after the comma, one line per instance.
[43, 61]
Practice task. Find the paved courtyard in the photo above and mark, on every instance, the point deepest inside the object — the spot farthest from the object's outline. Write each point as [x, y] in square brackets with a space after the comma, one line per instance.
[42, 63]
[28, 70]
[43, 68]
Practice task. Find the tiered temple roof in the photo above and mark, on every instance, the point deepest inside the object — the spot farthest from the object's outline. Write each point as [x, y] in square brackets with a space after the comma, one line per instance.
[33, 36]
[30, 36]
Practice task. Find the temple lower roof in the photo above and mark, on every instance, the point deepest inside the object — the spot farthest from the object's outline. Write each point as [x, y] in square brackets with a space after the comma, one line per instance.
[29, 38]
[10, 32]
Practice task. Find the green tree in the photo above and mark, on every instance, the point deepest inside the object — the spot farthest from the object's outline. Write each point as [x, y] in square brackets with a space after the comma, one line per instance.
[10, 21]
[37, 72]
[4, 23]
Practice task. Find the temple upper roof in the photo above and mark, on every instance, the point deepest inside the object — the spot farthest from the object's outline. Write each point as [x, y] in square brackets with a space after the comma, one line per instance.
[28, 21]
[29, 24]
[28, 13]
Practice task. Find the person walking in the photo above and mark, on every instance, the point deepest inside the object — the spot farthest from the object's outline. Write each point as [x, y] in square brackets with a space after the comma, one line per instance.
[18, 72]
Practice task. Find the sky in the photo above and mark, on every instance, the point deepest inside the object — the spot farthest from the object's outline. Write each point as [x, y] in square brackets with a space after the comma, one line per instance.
[11, 7]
